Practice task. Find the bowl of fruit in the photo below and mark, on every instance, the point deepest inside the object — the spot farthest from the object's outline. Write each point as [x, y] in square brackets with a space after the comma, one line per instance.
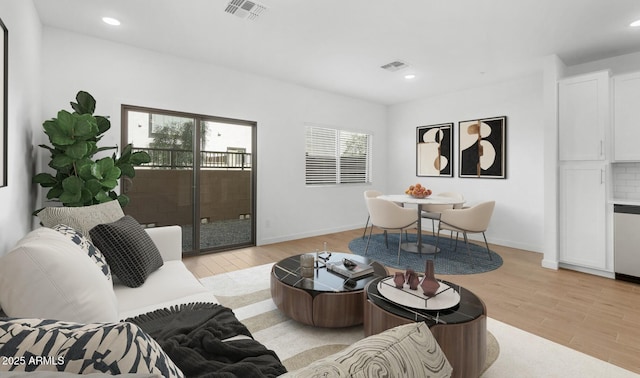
[418, 191]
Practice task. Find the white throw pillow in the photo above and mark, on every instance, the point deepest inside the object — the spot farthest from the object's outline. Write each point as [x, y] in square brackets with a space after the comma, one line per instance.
[46, 276]
[82, 218]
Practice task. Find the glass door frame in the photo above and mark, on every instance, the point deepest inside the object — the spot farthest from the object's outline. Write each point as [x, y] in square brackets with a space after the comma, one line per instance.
[199, 119]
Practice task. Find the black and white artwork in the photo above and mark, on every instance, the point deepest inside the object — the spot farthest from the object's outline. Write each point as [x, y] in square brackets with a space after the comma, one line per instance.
[482, 148]
[434, 150]
[4, 39]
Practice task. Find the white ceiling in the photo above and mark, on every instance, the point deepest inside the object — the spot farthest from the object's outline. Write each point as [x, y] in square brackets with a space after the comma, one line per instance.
[339, 45]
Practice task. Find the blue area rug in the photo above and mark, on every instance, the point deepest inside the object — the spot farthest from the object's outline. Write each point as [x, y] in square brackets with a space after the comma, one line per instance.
[447, 260]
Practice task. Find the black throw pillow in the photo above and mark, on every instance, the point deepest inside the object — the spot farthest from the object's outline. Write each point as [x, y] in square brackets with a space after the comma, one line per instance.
[130, 252]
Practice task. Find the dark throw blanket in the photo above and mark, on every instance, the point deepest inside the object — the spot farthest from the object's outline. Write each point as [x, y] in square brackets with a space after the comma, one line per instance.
[194, 335]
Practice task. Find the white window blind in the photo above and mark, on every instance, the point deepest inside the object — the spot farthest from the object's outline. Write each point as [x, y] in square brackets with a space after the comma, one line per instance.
[336, 156]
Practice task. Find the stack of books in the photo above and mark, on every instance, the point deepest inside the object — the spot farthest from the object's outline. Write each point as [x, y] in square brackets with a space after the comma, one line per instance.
[349, 268]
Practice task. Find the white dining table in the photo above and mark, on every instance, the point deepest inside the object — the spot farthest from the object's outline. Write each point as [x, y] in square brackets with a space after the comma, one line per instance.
[419, 247]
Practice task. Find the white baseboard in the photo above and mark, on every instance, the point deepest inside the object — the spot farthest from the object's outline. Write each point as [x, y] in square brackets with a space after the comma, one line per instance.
[550, 264]
[595, 272]
[289, 237]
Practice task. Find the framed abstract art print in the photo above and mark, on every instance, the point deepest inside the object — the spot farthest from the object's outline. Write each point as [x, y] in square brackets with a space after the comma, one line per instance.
[434, 150]
[483, 148]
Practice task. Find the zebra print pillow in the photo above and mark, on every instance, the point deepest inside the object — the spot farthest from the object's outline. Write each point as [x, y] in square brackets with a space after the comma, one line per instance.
[48, 345]
[87, 246]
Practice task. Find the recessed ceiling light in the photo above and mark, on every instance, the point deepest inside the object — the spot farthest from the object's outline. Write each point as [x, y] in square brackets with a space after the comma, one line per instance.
[635, 24]
[409, 76]
[110, 21]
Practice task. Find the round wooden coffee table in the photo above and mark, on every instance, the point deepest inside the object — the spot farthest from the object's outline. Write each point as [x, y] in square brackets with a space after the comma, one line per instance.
[460, 331]
[322, 300]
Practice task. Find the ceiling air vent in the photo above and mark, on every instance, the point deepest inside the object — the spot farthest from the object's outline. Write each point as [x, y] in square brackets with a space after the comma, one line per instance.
[395, 66]
[245, 9]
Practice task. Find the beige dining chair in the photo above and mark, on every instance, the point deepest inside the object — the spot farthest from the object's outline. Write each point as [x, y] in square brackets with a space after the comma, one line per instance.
[433, 211]
[474, 219]
[386, 215]
[369, 194]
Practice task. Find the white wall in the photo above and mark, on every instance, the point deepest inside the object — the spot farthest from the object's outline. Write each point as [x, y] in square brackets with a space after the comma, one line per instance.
[554, 69]
[18, 199]
[617, 65]
[115, 74]
[518, 217]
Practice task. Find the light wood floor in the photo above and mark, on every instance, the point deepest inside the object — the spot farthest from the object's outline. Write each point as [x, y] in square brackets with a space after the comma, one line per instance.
[591, 314]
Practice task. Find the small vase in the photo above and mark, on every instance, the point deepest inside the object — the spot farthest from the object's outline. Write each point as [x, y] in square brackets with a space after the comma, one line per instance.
[399, 280]
[414, 280]
[408, 274]
[429, 284]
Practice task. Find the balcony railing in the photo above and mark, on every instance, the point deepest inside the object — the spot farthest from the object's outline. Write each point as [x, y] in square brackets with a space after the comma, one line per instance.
[175, 159]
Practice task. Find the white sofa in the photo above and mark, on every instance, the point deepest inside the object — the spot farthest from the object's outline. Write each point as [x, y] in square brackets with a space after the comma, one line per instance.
[172, 284]
[56, 297]
[56, 271]
[47, 276]
[65, 310]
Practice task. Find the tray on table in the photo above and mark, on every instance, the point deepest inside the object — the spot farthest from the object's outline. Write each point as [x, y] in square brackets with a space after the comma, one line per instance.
[446, 297]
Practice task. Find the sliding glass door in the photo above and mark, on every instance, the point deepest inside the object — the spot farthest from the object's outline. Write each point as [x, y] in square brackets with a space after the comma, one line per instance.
[201, 176]
[226, 177]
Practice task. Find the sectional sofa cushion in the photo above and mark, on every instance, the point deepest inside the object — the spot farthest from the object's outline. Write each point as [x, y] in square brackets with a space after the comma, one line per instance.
[85, 244]
[129, 250]
[46, 275]
[82, 218]
[171, 285]
[114, 348]
[405, 351]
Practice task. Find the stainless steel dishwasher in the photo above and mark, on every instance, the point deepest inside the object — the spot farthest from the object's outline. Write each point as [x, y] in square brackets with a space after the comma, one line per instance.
[626, 230]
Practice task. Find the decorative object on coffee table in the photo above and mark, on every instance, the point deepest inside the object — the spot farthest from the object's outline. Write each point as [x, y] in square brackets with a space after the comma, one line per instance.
[445, 298]
[399, 280]
[349, 268]
[429, 283]
[466, 321]
[307, 262]
[413, 280]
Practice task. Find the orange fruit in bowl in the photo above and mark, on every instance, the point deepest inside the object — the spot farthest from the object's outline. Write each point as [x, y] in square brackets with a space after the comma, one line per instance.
[418, 191]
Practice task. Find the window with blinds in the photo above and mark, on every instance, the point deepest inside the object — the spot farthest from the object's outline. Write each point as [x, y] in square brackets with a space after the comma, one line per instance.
[336, 156]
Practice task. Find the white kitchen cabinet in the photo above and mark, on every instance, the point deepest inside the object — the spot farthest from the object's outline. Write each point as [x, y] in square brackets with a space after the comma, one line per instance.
[583, 215]
[626, 117]
[583, 116]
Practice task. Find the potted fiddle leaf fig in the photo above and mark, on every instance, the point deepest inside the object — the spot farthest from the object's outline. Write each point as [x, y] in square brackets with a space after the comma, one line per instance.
[80, 179]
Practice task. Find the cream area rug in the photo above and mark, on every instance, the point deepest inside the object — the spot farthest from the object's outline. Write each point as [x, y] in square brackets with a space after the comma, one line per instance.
[510, 350]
